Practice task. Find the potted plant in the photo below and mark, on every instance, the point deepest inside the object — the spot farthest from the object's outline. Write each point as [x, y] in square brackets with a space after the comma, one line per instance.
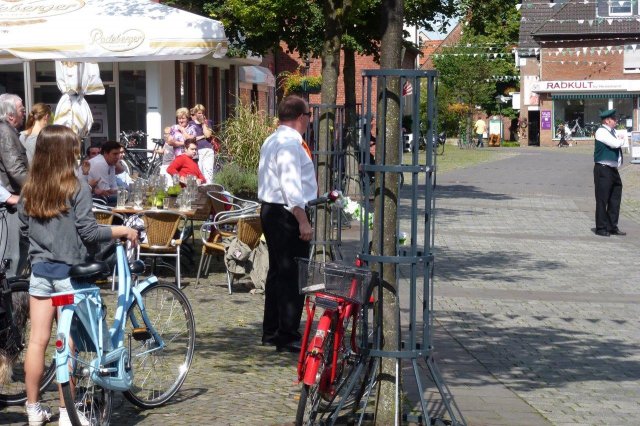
[295, 82]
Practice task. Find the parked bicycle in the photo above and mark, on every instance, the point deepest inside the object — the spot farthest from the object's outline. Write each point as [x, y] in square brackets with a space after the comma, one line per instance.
[139, 159]
[464, 139]
[15, 327]
[332, 364]
[152, 335]
[330, 358]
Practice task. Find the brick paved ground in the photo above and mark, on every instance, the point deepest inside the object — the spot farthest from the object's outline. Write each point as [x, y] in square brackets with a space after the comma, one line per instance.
[531, 328]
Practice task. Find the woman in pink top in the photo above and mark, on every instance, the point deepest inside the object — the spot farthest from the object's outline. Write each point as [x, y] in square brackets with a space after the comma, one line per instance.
[181, 132]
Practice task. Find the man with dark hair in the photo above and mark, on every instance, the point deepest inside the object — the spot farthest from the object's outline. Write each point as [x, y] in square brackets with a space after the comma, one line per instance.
[606, 179]
[13, 174]
[286, 182]
[103, 171]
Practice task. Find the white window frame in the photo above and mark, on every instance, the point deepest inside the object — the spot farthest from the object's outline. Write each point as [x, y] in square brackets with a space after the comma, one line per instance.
[616, 3]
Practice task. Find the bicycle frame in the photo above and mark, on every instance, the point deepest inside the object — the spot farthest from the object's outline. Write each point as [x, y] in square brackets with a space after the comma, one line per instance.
[310, 360]
[86, 303]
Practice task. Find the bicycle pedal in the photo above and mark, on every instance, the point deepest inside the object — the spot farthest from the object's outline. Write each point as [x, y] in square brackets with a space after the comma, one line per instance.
[141, 334]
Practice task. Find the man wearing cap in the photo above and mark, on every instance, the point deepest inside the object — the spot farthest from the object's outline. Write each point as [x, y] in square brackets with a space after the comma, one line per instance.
[606, 179]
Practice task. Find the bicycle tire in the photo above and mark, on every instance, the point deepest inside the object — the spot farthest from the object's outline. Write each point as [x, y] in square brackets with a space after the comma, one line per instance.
[12, 391]
[440, 148]
[310, 395]
[83, 398]
[158, 375]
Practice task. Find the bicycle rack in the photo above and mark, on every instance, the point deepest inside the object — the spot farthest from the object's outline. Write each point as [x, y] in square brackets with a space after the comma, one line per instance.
[417, 86]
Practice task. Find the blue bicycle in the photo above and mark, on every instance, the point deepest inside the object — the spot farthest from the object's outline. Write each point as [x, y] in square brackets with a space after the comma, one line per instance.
[146, 353]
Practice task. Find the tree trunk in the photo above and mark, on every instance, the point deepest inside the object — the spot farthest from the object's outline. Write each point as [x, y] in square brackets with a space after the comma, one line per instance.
[391, 47]
[351, 137]
[334, 11]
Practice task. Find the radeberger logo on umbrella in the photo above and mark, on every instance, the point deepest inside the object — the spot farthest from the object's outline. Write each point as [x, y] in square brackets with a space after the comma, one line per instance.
[30, 9]
[117, 41]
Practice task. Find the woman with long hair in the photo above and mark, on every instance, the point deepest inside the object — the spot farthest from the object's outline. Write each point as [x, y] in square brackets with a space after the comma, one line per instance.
[37, 120]
[55, 211]
[204, 140]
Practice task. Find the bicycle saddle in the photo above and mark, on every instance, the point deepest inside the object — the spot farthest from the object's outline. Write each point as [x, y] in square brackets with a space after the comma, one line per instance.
[90, 271]
[136, 267]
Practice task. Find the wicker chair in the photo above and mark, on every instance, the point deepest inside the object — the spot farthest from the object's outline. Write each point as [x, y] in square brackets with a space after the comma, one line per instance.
[105, 217]
[248, 229]
[161, 228]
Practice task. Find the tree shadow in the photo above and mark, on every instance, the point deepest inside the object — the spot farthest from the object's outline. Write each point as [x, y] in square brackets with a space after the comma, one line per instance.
[497, 265]
[536, 356]
[467, 191]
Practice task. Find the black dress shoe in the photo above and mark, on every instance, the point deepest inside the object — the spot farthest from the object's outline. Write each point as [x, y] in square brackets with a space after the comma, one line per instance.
[293, 347]
[617, 232]
[602, 233]
[269, 342]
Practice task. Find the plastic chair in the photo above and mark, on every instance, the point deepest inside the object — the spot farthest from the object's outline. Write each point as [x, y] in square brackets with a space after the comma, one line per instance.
[161, 228]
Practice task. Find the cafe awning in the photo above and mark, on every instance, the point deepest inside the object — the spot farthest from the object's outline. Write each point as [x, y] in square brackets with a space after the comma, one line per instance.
[256, 75]
[105, 30]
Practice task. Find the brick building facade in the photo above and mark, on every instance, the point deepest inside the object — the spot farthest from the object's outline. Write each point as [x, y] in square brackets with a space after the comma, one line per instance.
[576, 59]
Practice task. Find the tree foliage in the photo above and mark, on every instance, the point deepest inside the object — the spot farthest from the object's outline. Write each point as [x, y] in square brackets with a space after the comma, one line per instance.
[481, 66]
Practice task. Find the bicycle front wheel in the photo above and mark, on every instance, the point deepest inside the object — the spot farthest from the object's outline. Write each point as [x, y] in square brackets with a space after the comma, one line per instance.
[86, 402]
[14, 349]
[440, 149]
[311, 396]
[158, 372]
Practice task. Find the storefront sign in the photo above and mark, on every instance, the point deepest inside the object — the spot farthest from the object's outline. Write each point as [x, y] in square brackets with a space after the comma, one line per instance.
[586, 86]
[545, 120]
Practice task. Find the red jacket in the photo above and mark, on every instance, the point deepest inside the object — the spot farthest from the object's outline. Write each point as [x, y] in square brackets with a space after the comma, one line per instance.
[185, 166]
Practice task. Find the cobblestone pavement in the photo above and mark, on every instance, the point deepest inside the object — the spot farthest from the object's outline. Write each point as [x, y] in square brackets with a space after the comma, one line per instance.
[536, 317]
[233, 379]
[543, 310]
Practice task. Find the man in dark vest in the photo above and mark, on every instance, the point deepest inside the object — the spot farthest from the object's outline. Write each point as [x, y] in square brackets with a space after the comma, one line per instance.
[606, 179]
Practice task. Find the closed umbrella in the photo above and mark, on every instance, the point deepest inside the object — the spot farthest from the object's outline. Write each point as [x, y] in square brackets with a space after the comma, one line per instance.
[75, 81]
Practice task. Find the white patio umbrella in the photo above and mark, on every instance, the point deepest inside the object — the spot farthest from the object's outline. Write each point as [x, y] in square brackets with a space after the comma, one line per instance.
[105, 30]
[75, 81]
[100, 30]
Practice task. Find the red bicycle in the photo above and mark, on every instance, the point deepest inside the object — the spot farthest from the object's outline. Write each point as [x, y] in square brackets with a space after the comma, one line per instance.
[328, 359]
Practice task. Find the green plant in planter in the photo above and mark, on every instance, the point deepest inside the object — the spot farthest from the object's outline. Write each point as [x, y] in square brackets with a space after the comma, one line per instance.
[243, 136]
[238, 181]
[295, 82]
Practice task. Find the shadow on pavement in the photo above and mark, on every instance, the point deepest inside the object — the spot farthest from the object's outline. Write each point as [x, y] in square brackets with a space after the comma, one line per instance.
[534, 357]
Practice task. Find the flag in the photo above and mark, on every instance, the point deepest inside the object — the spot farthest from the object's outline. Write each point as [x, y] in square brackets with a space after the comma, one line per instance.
[407, 89]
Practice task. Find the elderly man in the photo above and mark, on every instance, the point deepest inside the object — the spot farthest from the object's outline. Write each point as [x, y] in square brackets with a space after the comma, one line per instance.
[13, 174]
[606, 179]
[286, 182]
[103, 170]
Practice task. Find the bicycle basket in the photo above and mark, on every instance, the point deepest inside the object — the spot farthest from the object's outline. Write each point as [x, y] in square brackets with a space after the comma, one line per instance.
[335, 279]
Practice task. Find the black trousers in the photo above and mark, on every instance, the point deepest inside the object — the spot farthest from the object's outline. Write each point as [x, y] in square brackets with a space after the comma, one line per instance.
[282, 303]
[608, 186]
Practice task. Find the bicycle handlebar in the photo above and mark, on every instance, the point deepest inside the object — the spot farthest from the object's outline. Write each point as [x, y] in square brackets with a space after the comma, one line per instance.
[330, 197]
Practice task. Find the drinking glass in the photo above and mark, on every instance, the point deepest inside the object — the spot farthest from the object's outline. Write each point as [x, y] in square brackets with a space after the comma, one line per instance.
[137, 200]
[165, 203]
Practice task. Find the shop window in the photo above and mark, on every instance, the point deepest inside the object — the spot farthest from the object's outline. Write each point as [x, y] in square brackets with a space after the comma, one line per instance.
[582, 114]
[133, 96]
[12, 79]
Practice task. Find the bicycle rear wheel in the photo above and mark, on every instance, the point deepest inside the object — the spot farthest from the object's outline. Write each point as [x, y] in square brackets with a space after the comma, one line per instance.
[84, 399]
[160, 372]
[14, 349]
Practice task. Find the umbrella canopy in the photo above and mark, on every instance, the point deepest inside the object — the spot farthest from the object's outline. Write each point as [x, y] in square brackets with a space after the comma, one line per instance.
[75, 80]
[105, 30]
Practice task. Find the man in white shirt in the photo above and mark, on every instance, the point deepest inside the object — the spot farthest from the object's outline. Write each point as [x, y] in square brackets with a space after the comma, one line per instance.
[286, 182]
[606, 179]
[103, 171]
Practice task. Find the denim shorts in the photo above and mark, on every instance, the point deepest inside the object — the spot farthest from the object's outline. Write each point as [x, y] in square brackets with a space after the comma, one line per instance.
[45, 287]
